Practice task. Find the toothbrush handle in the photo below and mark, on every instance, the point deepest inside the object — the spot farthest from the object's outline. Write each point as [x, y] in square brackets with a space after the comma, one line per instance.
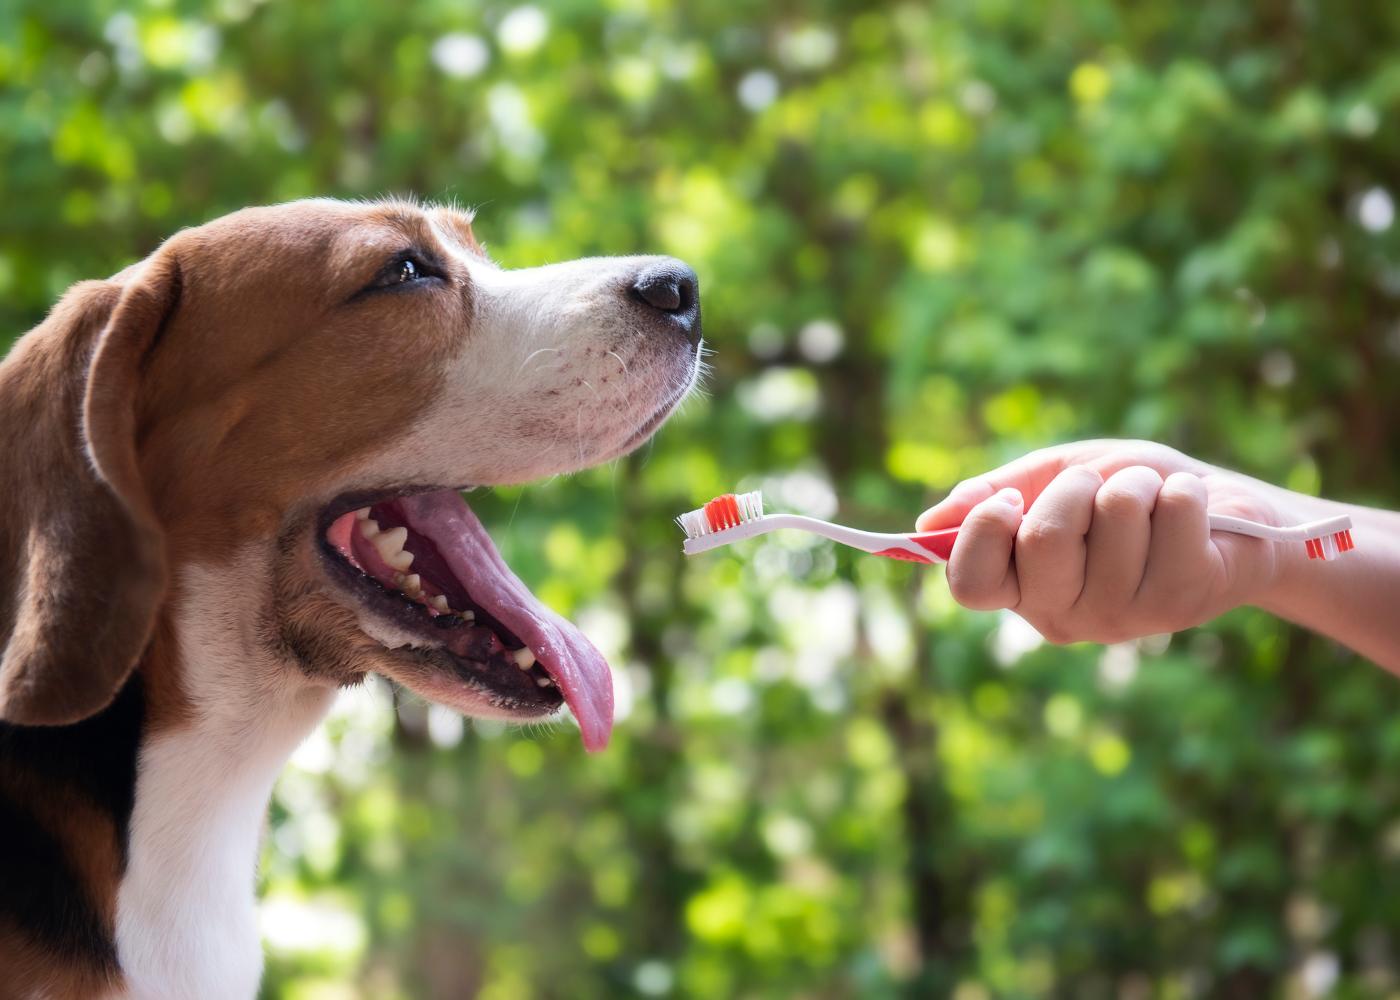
[922, 547]
[937, 546]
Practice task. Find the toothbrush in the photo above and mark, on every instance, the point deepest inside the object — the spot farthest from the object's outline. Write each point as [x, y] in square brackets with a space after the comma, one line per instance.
[732, 517]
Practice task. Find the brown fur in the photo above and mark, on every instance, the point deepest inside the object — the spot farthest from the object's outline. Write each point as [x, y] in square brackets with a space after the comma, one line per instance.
[188, 420]
[71, 521]
[30, 972]
[233, 375]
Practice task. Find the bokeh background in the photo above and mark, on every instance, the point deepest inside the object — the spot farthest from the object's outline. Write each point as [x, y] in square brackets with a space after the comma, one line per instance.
[930, 237]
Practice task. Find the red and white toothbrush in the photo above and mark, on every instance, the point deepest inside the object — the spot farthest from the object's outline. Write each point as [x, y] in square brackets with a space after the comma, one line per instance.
[732, 517]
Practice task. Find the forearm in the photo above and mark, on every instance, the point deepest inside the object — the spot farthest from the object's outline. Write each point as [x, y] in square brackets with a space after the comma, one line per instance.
[1106, 539]
[1354, 599]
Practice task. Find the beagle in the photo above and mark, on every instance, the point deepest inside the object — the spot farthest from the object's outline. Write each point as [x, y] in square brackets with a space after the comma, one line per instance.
[233, 477]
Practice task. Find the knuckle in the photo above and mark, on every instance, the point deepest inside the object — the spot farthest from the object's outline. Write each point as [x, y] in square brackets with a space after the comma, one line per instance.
[1145, 475]
[990, 519]
[1082, 472]
[1038, 531]
[1181, 489]
[1037, 535]
[976, 518]
[1129, 492]
[976, 486]
[1120, 500]
[1183, 482]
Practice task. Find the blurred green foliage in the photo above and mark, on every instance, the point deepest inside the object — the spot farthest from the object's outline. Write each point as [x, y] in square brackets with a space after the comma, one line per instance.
[930, 237]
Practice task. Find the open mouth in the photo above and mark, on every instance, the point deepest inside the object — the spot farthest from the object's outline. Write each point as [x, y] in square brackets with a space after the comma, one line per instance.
[423, 561]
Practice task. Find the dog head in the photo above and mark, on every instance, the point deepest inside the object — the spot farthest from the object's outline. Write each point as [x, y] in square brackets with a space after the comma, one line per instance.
[304, 390]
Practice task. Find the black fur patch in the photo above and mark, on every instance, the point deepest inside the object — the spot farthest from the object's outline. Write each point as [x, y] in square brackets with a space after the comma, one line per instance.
[40, 894]
[96, 758]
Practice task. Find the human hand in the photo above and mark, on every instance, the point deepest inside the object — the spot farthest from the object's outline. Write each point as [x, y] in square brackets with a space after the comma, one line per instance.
[1114, 541]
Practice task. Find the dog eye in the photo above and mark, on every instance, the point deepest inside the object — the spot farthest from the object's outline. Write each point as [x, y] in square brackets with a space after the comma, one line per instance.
[408, 269]
[405, 271]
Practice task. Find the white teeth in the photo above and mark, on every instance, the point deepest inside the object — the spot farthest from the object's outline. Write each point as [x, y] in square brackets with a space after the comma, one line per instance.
[544, 682]
[469, 616]
[362, 514]
[412, 585]
[524, 658]
[390, 546]
[369, 527]
[439, 601]
[391, 541]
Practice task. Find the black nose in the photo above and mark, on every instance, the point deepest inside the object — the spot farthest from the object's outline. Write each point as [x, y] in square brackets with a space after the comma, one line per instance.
[671, 287]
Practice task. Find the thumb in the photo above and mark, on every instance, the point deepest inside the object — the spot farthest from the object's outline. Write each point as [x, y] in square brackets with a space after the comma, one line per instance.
[1027, 475]
[950, 511]
[1246, 561]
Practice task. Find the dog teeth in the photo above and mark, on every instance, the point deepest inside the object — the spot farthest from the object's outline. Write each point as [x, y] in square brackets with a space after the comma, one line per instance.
[391, 550]
[362, 514]
[391, 541]
[524, 657]
[412, 585]
[439, 602]
[369, 527]
[544, 682]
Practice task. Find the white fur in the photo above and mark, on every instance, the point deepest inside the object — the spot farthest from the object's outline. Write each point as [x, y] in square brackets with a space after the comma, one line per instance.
[527, 398]
[186, 913]
[561, 370]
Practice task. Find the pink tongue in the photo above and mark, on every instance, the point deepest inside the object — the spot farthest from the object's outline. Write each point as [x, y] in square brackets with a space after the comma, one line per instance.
[576, 666]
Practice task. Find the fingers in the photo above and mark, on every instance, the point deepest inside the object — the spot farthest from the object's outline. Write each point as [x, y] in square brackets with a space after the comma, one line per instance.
[1028, 475]
[980, 572]
[1117, 547]
[953, 509]
[1032, 473]
[1180, 545]
[1051, 547]
[1107, 548]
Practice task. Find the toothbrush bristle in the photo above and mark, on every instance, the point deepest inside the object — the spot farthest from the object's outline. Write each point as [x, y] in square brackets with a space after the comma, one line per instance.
[727, 511]
[722, 512]
[1330, 546]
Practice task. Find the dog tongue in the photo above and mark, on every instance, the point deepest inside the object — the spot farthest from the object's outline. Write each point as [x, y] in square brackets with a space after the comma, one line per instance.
[576, 666]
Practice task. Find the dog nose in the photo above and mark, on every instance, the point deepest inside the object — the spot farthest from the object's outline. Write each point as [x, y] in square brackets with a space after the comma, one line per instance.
[668, 285]
[671, 287]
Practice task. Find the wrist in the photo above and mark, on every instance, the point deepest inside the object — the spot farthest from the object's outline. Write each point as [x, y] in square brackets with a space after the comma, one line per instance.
[1299, 584]
[1294, 577]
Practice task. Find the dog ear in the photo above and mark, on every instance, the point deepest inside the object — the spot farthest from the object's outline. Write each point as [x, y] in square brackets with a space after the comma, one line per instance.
[82, 552]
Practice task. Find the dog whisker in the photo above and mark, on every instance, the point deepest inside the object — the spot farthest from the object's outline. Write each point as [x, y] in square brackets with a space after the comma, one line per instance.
[533, 354]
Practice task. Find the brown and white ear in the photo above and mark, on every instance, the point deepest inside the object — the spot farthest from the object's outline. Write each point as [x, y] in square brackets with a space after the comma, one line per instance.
[81, 550]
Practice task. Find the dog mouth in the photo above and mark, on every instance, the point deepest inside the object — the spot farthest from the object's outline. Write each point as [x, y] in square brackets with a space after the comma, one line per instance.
[423, 561]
